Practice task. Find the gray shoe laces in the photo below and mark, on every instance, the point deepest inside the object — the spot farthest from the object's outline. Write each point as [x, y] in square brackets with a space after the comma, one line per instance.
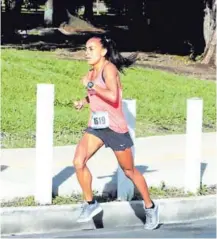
[148, 216]
[84, 207]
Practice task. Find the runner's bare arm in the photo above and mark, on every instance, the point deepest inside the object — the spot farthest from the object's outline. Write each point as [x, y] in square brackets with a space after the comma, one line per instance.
[111, 93]
[85, 100]
[81, 103]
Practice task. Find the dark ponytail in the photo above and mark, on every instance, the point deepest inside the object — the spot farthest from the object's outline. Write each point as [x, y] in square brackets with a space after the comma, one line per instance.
[114, 56]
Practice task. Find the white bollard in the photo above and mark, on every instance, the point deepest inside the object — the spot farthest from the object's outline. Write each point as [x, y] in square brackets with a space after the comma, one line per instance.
[44, 143]
[193, 144]
[125, 188]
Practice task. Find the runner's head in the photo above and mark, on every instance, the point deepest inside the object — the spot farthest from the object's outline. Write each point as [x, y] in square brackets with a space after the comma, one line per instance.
[99, 47]
[94, 51]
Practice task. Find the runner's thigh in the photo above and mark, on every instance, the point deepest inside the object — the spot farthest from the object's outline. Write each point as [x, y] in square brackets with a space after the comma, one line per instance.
[87, 147]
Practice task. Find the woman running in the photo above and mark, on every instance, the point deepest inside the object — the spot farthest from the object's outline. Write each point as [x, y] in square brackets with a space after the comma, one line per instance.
[107, 125]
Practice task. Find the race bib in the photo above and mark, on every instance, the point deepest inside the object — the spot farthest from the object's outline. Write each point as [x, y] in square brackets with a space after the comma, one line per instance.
[99, 120]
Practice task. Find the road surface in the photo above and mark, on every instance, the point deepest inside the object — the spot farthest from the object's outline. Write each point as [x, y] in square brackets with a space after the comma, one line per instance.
[197, 229]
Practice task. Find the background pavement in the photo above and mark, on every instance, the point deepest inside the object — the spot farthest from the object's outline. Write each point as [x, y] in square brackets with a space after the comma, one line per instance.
[158, 158]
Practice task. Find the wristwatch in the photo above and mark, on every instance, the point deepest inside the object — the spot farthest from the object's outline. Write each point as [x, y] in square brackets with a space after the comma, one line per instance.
[90, 85]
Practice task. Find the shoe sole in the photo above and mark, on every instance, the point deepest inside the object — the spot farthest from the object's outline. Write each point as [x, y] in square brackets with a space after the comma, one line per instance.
[93, 214]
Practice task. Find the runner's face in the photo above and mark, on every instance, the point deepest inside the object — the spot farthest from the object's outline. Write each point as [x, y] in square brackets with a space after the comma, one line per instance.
[94, 51]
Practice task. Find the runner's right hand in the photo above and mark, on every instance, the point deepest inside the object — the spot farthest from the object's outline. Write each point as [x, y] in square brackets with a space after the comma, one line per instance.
[78, 105]
[84, 81]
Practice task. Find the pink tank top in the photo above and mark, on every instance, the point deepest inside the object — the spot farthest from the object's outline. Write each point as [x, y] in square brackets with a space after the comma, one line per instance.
[116, 117]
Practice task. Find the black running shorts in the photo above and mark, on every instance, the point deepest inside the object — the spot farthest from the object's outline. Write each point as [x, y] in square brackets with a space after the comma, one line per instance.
[115, 141]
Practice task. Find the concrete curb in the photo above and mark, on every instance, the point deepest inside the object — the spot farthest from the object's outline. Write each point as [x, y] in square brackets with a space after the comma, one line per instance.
[46, 219]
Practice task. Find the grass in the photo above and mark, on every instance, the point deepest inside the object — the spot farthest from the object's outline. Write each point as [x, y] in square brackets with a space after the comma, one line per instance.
[155, 192]
[161, 98]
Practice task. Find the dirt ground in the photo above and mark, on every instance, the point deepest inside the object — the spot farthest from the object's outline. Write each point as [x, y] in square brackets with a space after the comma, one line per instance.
[170, 63]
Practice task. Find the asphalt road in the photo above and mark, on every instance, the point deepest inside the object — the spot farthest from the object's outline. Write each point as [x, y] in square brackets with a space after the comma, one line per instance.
[197, 229]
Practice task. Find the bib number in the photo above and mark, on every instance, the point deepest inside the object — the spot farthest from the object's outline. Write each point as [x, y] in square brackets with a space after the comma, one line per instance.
[99, 120]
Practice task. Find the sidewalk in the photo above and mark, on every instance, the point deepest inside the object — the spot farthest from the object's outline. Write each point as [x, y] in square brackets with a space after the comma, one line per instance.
[158, 158]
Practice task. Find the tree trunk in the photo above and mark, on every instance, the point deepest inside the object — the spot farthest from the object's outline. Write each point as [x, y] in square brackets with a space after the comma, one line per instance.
[210, 33]
[88, 12]
[59, 12]
[13, 17]
[210, 52]
[207, 24]
[48, 13]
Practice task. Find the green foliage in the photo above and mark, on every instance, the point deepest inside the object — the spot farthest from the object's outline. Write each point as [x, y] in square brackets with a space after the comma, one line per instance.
[156, 193]
[59, 200]
[164, 191]
[203, 190]
[161, 98]
[19, 202]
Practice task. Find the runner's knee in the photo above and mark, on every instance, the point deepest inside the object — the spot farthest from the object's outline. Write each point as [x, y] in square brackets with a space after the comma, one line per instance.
[128, 173]
[79, 162]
